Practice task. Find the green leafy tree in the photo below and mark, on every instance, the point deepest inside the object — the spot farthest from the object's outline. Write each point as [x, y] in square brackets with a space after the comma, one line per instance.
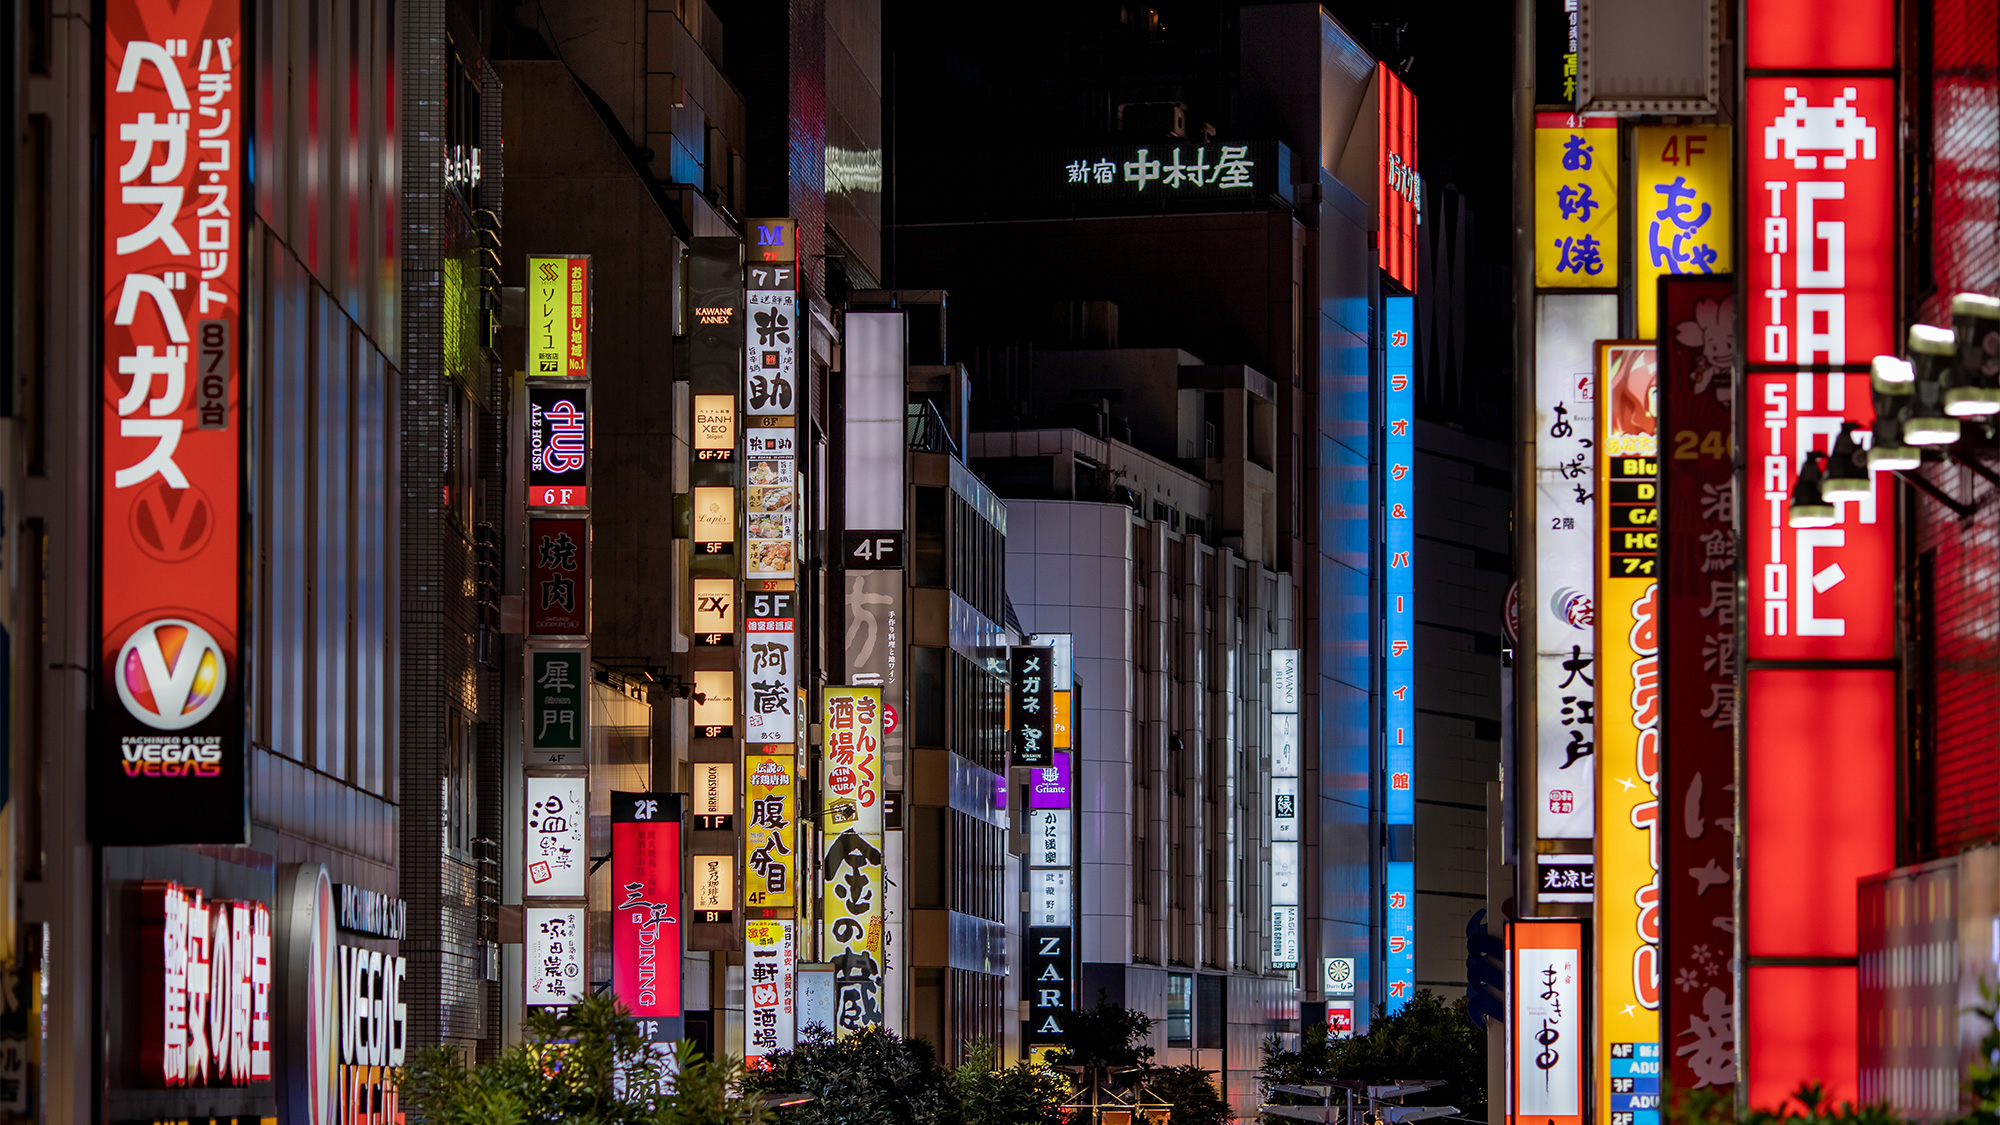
[584, 1065]
[875, 1077]
[1808, 1105]
[1103, 1035]
[1427, 1039]
[1022, 1094]
[1191, 1091]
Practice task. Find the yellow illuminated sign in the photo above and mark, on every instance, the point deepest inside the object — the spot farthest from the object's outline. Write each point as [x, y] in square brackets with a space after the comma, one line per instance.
[1680, 208]
[1576, 202]
[770, 837]
[1627, 930]
[1059, 721]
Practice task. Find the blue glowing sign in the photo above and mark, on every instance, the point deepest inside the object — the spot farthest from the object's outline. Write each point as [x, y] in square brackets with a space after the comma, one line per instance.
[1400, 927]
[1399, 449]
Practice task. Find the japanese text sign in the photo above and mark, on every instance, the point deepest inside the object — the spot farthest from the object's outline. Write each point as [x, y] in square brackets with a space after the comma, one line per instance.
[558, 850]
[1697, 675]
[770, 502]
[1567, 329]
[1545, 1049]
[646, 909]
[1399, 921]
[552, 961]
[205, 992]
[1820, 228]
[559, 317]
[1681, 217]
[558, 706]
[1627, 930]
[769, 669]
[770, 989]
[771, 344]
[558, 577]
[1032, 708]
[851, 910]
[1399, 497]
[770, 837]
[169, 765]
[852, 775]
[1399, 194]
[1576, 202]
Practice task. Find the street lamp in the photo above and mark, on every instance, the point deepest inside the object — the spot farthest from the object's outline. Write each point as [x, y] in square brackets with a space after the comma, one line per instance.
[1893, 380]
[1975, 322]
[1846, 476]
[1809, 507]
[1932, 419]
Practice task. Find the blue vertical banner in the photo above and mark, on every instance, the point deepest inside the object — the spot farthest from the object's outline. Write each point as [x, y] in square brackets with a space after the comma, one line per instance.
[1400, 926]
[1399, 634]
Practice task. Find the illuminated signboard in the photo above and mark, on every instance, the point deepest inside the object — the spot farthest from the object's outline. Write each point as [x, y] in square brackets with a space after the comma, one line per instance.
[1050, 981]
[646, 910]
[713, 801]
[558, 850]
[1399, 661]
[1576, 201]
[1284, 694]
[770, 503]
[553, 956]
[1567, 329]
[1031, 706]
[205, 993]
[715, 427]
[1166, 170]
[770, 667]
[1627, 930]
[1399, 190]
[168, 761]
[714, 611]
[1820, 165]
[715, 703]
[558, 446]
[771, 342]
[770, 840]
[1545, 1047]
[774, 240]
[712, 888]
[1819, 297]
[715, 520]
[558, 577]
[770, 988]
[559, 317]
[1697, 677]
[558, 712]
[1681, 204]
[852, 907]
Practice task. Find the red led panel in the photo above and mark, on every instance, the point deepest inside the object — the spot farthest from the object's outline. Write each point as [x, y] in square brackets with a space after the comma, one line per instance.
[1815, 1039]
[1819, 806]
[1819, 220]
[646, 910]
[168, 764]
[1823, 593]
[1815, 34]
[1398, 188]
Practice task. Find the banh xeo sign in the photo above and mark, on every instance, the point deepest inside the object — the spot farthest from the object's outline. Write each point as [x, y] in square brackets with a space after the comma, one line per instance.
[168, 756]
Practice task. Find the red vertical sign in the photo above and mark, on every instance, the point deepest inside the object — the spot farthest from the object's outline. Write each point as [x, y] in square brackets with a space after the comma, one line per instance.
[1698, 679]
[646, 910]
[1398, 187]
[1818, 698]
[167, 757]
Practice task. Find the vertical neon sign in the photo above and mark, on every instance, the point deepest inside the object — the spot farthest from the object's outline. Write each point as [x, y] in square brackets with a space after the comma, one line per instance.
[1399, 708]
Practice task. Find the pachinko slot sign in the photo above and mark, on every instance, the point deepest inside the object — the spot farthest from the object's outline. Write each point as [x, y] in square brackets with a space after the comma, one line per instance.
[167, 751]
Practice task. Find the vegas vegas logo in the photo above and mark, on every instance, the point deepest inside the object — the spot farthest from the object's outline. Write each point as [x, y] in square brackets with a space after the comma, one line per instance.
[170, 674]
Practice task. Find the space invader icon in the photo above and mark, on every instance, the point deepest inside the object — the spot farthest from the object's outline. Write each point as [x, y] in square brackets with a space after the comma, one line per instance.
[1836, 133]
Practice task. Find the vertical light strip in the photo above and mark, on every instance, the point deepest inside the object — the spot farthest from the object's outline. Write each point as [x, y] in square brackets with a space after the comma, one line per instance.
[1399, 633]
[1284, 871]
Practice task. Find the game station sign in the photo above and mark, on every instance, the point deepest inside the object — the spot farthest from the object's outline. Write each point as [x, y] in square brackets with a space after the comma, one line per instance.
[167, 750]
[1817, 700]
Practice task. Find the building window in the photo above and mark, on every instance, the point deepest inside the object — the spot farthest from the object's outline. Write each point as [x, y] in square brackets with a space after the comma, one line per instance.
[1180, 1009]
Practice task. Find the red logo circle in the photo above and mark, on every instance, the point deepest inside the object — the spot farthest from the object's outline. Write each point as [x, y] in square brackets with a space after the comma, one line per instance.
[172, 524]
